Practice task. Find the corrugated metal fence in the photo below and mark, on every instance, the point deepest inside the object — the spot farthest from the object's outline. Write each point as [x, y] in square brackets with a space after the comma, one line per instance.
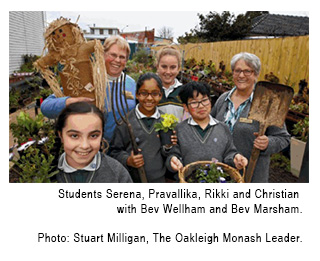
[287, 58]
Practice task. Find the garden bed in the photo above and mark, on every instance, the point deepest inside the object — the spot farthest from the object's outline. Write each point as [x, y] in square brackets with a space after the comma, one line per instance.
[277, 175]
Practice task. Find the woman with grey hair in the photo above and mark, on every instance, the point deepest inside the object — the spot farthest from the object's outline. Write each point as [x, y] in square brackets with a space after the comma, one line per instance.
[233, 108]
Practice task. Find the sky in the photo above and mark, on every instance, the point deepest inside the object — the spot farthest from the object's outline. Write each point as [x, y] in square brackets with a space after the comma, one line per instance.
[131, 21]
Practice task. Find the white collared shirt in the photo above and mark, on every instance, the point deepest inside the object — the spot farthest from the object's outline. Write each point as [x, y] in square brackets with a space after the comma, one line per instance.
[92, 166]
[140, 115]
[192, 122]
[167, 91]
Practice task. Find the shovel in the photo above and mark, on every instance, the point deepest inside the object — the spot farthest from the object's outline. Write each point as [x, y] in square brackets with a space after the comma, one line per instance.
[269, 107]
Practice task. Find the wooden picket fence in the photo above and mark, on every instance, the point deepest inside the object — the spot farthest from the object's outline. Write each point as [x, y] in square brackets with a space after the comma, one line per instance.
[287, 57]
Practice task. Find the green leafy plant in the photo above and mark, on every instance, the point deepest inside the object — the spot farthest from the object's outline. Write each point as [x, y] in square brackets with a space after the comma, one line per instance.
[301, 129]
[189, 63]
[300, 107]
[27, 128]
[208, 73]
[28, 63]
[168, 122]
[141, 56]
[45, 92]
[36, 166]
[278, 160]
[13, 99]
[37, 162]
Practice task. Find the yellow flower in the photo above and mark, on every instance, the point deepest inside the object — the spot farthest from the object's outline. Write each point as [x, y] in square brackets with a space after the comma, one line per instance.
[169, 121]
[166, 123]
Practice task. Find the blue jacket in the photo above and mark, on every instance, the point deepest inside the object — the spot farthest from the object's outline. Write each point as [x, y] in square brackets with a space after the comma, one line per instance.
[52, 106]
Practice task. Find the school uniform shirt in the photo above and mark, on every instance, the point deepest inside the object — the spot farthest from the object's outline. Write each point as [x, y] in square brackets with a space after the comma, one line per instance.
[195, 144]
[243, 137]
[147, 140]
[102, 169]
[170, 102]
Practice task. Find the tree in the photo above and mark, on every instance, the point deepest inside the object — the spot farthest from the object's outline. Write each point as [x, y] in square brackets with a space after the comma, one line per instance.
[165, 32]
[221, 27]
[189, 38]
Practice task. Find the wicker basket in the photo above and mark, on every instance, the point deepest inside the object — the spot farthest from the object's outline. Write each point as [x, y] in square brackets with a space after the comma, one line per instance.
[188, 169]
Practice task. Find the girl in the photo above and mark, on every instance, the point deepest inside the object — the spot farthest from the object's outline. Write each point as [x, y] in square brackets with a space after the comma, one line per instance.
[142, 119]
[168, 66]
[80, 128]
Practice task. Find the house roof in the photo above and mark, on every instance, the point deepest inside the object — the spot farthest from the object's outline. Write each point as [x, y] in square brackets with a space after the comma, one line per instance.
[280, 25]
[101, 27]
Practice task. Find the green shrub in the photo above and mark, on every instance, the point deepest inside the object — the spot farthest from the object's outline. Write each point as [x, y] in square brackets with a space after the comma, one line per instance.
[301, 129]
[36, 163]
[278, 160]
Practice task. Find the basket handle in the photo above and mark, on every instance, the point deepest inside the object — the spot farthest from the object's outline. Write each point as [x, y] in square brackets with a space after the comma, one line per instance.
[180, 175]
[244, 173]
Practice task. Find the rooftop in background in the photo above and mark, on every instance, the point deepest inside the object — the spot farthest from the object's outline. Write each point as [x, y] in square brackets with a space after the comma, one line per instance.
[101, 33]
[280, 25]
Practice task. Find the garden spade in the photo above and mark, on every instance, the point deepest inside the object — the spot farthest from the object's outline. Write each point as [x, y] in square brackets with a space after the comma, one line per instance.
[269, 107]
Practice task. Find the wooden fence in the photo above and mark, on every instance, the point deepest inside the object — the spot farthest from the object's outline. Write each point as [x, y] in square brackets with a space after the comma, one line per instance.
[287, 58]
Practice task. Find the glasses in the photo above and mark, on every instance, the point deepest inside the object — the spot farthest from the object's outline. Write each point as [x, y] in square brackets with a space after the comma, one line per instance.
[115, 56]
[195, 105]
[146, 94]
[245, 72]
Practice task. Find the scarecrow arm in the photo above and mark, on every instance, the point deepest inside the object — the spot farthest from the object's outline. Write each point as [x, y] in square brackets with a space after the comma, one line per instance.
[44, 62]
[42, 65]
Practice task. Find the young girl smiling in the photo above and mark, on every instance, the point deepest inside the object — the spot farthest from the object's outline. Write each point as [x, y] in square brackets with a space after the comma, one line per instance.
[168, 66]
[142, 119]
[80, 128]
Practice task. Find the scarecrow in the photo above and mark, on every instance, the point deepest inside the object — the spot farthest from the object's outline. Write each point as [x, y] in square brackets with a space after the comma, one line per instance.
[80, 64]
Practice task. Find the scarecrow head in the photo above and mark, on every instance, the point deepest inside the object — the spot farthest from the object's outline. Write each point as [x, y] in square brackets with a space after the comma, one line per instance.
[62, 34]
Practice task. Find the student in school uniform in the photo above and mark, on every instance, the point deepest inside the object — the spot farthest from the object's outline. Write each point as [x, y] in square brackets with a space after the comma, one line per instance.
[201, 137]
[143, 118]
[80, 127]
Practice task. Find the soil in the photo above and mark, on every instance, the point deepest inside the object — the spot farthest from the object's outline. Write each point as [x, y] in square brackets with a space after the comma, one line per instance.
[13, 175]
[277, 175]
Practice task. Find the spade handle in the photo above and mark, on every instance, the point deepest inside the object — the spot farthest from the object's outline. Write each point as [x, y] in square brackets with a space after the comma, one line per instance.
[254, 155]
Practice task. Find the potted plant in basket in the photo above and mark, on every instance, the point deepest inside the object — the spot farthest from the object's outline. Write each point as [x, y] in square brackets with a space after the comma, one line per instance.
[209, 172]
[298, 144]
[165, 128]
